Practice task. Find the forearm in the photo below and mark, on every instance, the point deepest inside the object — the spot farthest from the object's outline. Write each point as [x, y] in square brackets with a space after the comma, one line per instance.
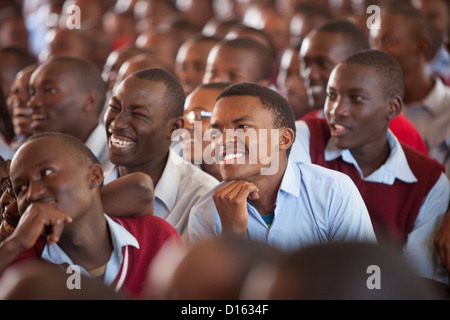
[9, 251]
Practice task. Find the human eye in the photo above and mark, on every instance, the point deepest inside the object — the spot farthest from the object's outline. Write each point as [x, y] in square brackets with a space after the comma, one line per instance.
[215, 133]
[331, 96]
[357, 98]
[45, 172]
[50, 90]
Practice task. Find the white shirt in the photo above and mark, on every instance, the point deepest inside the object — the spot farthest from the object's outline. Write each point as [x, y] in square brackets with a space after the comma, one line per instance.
[98, 143]
[431, 117]
[180, 186]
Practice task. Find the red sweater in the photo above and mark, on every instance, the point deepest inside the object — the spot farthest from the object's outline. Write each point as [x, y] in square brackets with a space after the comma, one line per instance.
[392, 208]
[401, 127]
[151, 233]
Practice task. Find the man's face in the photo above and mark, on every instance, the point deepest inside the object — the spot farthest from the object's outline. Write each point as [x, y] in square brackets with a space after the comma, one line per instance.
[231, 65]
[199, 104]
[44, 172]
[190, 64]
[136, 122]
[241, 137]
[395, 37]
[291, 84]
[320, 53]
[18, 103]
[56, 100]
[355, 108]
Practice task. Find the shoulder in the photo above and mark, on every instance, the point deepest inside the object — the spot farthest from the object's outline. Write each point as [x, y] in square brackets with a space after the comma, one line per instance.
[318, 174]
[189, 174]
[147, 227]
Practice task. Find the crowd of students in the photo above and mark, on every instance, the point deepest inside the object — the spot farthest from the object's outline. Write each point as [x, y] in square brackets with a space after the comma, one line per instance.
[261, 149]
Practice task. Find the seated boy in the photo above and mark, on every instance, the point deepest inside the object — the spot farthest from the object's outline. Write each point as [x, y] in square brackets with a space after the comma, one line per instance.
[406, 192]
[57, 183]
[264, 196]
[144, 112]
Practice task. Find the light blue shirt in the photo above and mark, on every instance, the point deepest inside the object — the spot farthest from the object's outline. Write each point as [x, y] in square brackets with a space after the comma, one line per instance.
[120, 238]
[419, 250]
[314, 205]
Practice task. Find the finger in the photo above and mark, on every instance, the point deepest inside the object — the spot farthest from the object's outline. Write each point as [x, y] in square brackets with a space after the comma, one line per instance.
[56, 229]
[240, 191]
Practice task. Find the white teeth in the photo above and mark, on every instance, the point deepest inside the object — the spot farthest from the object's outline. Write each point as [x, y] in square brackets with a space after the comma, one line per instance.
[233, 156]
[316, 89]
[120, 143]
[39, 116]
[339, 127]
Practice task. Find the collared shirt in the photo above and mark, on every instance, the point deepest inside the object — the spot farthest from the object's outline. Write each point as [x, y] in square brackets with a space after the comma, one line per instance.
[419, 250]
[120, 238]
[440, 65]
[98, 143]
[5, 151]
[180, 186]
[431, 117]
[314, 205]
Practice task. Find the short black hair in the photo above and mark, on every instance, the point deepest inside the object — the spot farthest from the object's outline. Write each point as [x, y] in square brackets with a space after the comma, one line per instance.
[174, 94]
[263, 55]
[214, 85]
[77, 149]
[86, 74]
[354, 37]
[389, 72]
[282, 112]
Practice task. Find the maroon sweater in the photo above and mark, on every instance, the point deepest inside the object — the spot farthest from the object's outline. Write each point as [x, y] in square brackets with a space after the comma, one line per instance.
[151, 233]
[392, 208]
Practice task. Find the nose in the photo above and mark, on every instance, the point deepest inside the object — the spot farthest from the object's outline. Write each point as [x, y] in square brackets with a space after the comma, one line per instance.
[337, 108]
[34, 101]
[35, 191]
[116, 121]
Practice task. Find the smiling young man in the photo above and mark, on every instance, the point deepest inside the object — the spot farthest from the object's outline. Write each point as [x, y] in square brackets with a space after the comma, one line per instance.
[406, 192]
[67, 95]
[57, 181]
[146, 108]
[265, 196]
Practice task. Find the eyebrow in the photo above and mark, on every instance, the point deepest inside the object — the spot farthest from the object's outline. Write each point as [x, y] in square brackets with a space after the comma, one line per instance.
[235, 121]
[133, 106]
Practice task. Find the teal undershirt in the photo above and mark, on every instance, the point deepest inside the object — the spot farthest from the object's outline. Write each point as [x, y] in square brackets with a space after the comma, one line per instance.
[268, 218]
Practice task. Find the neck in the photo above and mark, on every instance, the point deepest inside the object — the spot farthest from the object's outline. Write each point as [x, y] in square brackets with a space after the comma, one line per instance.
[417, 86]
[84, 132]
[371, 157]
[153, 168]
[91, 248]
[268, 186]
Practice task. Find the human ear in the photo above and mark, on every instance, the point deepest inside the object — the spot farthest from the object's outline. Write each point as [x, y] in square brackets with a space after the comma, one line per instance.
[90, 100]
[176, 123]
[286, 138]
[394, 107]
[95, 176]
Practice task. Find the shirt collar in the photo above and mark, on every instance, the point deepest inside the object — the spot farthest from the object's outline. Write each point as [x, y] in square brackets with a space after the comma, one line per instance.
[167, 186]
[433, 100]
[395, 167]
[97, 140]
[120, 238]
[291, 180]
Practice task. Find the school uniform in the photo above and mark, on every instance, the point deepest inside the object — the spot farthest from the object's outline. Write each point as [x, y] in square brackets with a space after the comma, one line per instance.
[180, 186]
[314, 205]
[135, 242]
[406, 197]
